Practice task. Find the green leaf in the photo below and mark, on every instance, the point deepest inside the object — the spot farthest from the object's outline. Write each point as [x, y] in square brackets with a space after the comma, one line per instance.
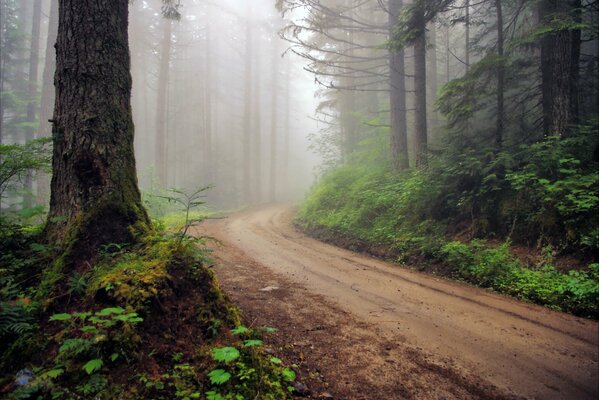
[89, 328]
[252, 342]
[288, 374]
[270, 330]
[93, 365]
[212, 395]
[219, 376]
[239, 330]
[75, 346]
[225, 354]
[275, 360]
[110, 310]
[60, 317]
[55, 373]
[114, 356]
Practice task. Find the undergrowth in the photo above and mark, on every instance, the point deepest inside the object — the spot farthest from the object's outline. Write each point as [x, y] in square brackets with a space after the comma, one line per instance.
[544, 196]
[143, 320]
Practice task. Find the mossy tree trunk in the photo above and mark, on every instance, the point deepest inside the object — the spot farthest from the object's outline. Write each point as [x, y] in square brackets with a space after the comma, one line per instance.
[94, 195]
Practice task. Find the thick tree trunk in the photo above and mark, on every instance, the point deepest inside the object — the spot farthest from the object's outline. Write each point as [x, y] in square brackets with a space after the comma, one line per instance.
[94, 185]
[161, 141]
[420, 88]
[560, 56]
[500, 79]
[399, 130]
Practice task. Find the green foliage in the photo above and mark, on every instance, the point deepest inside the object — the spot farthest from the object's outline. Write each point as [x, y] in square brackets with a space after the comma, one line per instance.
[219, 376]
[18, 159]
[544, 193]
[496, 268]
[94, 337]
[225, 354]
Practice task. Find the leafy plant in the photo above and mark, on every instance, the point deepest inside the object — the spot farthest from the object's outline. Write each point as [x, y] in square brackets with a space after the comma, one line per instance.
[94, 338]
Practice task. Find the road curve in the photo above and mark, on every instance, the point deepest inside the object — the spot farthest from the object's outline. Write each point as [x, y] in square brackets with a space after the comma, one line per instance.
[524, 349]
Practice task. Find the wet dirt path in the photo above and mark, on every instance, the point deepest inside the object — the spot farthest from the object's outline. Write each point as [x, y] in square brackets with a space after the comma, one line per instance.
[362, 328]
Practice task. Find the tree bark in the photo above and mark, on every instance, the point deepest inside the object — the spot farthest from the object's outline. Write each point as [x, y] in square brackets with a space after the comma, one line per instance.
[560, 57]
[397, 97]
[420, 87]
[94, 191]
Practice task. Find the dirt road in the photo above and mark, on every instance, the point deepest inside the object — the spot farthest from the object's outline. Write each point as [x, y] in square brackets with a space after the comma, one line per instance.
[364, 329]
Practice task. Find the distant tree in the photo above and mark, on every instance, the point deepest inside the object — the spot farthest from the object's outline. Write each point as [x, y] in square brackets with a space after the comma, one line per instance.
[397, 84]
[560, 58]
[162, 101]
[94, 195]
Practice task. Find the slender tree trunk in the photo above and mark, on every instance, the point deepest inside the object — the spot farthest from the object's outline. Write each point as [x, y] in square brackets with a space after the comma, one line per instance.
[161, 140]
[420, 88]
[34, 58]
[287, 127]
[500, 79]
[247, 118]
[399, 130]
[94, 185]
[257, 135]
[560, 57]
[432, 82]
[47, 100]
[273, 124]
[208, 151]
[467, 35]
[3, 64]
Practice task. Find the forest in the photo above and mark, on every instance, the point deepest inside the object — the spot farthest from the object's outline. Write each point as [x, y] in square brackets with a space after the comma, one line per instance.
[281, 199]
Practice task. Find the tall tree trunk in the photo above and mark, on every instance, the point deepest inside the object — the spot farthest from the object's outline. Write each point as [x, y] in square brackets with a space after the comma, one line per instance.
[420, 87]
[560, 57]
[34, 58]
[432, 82]
[397, 97]
[94, 185]
[47, 100]
[287, 127]
[273, 124]
[247, 119]
[500, 79]
[208, 89]
[256, 149]
[467, 35]
[3, 64]
[161, 141]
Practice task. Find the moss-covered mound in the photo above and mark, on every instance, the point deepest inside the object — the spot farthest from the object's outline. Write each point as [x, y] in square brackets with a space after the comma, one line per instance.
[145, 321]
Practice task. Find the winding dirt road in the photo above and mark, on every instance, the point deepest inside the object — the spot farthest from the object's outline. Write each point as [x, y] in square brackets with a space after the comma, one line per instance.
[362, 328]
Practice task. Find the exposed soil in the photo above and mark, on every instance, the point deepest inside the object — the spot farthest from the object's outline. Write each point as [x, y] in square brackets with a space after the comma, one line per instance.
[360, 328]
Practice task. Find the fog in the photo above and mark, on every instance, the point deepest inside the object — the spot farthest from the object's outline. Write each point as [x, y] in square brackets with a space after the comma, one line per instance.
[218, 100]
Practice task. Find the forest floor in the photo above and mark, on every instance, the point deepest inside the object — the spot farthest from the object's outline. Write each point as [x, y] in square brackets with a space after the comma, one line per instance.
[360, 328]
